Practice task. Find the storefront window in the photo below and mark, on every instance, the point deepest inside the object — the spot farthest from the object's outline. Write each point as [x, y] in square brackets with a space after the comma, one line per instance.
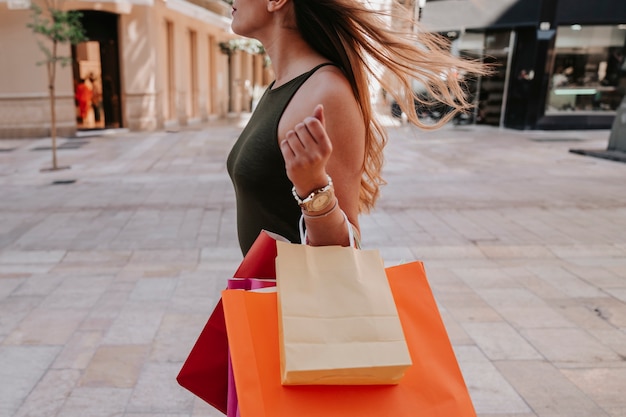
[589, 71]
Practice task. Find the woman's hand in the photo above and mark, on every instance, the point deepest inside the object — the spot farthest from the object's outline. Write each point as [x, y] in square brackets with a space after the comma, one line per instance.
[306, 150]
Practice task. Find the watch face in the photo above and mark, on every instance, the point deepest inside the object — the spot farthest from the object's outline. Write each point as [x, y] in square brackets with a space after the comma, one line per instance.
[320, 201]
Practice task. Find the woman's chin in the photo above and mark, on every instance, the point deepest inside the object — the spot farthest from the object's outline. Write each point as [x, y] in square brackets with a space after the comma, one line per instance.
[235, 29]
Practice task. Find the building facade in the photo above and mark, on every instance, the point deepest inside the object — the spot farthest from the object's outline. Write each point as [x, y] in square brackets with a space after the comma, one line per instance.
[147, 64]
[558, 64]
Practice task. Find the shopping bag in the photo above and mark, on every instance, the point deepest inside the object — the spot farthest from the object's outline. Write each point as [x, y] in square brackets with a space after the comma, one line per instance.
[206, 372]
[338, 324]
[431, 387]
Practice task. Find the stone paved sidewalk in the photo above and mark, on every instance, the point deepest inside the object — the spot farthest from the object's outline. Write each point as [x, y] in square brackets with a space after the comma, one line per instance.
[106, 282]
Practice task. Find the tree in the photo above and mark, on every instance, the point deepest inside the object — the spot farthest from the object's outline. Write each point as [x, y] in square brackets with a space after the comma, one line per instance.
[55, 27]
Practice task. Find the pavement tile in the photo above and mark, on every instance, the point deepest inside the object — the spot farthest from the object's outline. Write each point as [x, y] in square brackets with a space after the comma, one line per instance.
[9, 285]
[503, 226]
[537, 221]
[201, 284]
[198, 293]
[585, 313]
[77, 292]
[31, 257]
[435, 228]
[46, 327]
[490, 392]
[547, 391]
[446, 282]
[460, 263]
[614, 339]
[523, 309]
[24, 269]
[567, 282]
[478, 278]
[156, 415]
[38, 285]
[96, 402]
[470, 227]
[21, 368]
[427, 253]
[467, 306]
[587, 251]
[500, 341]
[456, 333]
[612, 310]
[603, 278]
[202, 409]
[106, 310]
[154, 289]
[395, 255]
[509, 415]
[614, 263]
[618, 293]
[78, 351]
[569, 345]
[224, 259]
[12, 312]
[105, 257]
[116, 366]
[176, 336]
[540, 287]
[603, 385]
[527, 252]
[49, 395]
[69, 269]
[135, 325]
[176, 258]
[157, 391]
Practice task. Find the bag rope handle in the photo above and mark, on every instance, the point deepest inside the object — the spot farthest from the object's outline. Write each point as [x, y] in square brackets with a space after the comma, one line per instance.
[303, 238]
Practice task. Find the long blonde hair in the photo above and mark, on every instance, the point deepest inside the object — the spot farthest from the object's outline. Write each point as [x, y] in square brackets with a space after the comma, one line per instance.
[358, 38]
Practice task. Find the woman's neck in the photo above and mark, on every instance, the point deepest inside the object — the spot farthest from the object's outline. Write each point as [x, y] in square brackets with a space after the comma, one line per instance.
[291, 56]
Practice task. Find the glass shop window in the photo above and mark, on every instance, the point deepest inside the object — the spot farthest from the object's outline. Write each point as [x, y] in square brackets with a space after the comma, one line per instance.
[589, 71]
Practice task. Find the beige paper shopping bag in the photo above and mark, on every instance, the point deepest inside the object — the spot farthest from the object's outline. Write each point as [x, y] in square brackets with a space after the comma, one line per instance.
[338, 323]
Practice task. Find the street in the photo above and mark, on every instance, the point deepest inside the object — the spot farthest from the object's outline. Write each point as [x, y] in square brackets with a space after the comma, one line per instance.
[109, 269]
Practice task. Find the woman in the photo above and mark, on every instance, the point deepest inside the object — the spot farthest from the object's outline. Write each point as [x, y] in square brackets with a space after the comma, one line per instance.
[314, 128]
[83, 96]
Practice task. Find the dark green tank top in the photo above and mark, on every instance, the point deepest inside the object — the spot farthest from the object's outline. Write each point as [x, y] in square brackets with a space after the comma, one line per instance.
[257, 170]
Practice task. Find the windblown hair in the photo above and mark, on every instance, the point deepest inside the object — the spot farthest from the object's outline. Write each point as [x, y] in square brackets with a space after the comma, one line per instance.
[360, 40]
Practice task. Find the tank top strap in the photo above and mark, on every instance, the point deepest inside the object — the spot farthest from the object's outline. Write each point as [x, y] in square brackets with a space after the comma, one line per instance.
[302, 78]
[323, 64]
[295, 83]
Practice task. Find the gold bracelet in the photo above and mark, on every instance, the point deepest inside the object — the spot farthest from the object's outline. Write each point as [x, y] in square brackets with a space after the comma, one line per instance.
[317, 216]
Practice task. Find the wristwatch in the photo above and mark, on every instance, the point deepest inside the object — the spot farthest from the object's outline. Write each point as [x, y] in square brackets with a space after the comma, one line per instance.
[318, 200]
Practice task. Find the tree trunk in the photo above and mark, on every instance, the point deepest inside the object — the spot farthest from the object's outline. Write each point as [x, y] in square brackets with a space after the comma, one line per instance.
[53, 114]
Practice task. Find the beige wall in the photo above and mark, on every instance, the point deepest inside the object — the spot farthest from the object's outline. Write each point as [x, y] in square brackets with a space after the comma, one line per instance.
[24, 105]
[144, 70]
[138, 60]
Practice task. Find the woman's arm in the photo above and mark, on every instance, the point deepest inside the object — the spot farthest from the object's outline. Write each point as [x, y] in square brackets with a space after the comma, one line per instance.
[326, 138]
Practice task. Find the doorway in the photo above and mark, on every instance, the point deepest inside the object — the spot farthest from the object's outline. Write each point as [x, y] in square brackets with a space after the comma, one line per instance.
[96, 73]
[492, 91]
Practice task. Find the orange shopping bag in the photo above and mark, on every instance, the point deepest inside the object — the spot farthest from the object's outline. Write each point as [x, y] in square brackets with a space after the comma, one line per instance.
[432, 387]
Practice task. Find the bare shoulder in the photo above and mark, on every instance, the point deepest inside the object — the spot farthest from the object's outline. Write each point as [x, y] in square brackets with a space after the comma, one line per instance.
[330, 87]
[327, 86]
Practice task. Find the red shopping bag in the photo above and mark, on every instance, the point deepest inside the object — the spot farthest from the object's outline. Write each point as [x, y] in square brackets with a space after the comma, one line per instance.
[432, 387]
[205, 372]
